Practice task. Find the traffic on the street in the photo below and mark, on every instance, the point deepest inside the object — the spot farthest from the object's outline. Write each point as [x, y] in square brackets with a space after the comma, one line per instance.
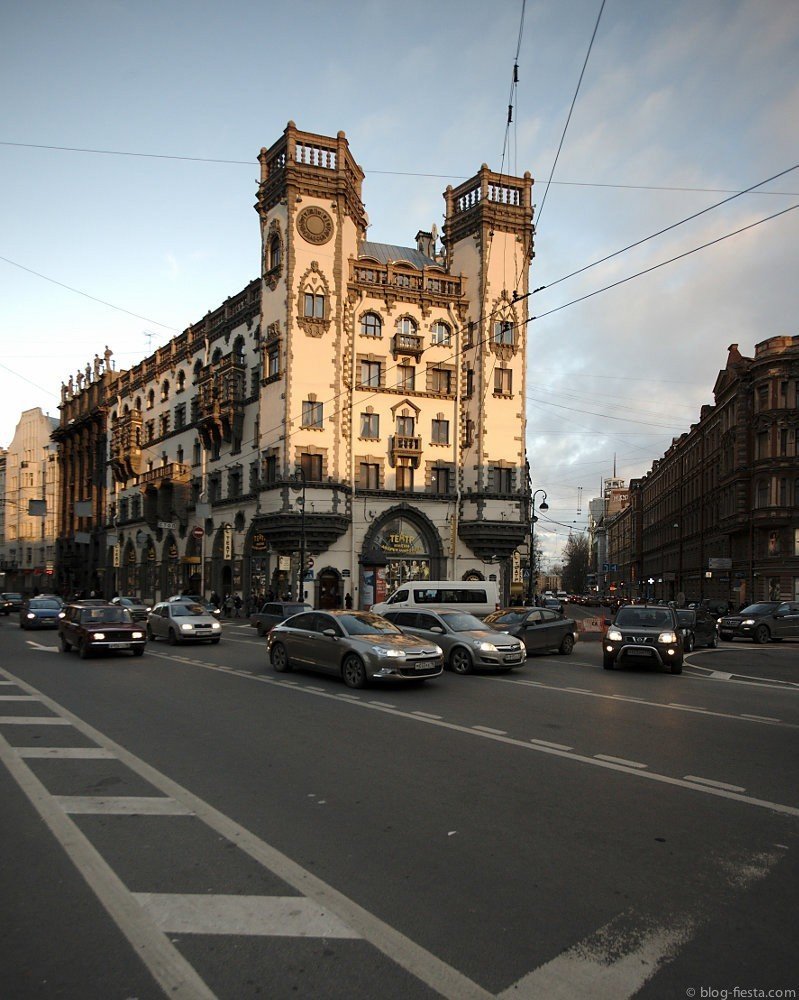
[200, 821]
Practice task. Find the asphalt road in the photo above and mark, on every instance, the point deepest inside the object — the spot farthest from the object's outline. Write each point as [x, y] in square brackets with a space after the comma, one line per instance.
[190, 824]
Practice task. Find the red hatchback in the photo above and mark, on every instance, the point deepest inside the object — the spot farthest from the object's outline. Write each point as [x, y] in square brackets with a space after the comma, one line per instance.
[99, 628]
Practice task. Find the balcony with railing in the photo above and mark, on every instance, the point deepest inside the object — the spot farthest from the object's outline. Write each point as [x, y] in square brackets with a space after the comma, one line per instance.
[221, 393]
[126, 452]
[405, 446]
[428, 283]
[407, 344]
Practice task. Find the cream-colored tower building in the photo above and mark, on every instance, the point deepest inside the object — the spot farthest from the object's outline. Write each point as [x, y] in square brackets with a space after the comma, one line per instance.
[356, 413]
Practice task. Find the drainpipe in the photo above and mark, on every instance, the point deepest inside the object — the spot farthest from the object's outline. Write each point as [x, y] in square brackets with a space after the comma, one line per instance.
[456, 441]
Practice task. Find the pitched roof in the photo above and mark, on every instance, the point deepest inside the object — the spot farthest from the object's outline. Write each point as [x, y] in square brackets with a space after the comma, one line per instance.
[387, 253]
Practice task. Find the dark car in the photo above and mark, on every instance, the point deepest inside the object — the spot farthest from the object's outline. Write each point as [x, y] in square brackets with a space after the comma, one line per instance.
[763, 622]
[357, 646]
[644, 633]
[698, 628]
[94, 627]
[10, 602]
[275, 612]
[40, 612]
[467, 642]
[540, 629]
[139, 611]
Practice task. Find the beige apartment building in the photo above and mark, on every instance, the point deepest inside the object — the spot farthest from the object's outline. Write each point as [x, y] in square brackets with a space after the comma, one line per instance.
[29, 496]
[355, 416]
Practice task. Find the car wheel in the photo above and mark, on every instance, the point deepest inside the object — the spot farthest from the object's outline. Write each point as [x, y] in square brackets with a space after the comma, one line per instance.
[689, 643]
[354, 672]
[173, 637]
[714, 642]
[150, 635]
[676, 668]
[460, 660]
[279, 659]
[567, 645]
[608, 662]
[138, 650]
[63, 644]
[83, 650]
[761, 634]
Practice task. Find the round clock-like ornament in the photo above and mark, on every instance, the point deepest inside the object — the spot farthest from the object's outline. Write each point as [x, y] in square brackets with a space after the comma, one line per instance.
[315, 225]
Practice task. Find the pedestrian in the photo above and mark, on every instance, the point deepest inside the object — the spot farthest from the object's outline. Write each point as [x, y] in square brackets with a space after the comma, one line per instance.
[348, 601]
[228, 606]
[237, 606]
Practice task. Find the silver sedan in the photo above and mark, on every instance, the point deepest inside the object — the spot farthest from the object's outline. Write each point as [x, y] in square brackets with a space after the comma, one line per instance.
[178, 622]
[354, 645]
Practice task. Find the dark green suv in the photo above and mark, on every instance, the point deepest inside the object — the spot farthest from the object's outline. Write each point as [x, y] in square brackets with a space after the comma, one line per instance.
[644, 633]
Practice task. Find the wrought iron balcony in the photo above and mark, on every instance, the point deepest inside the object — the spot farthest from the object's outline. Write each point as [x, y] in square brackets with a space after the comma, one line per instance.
[126, 439]
[221, 392]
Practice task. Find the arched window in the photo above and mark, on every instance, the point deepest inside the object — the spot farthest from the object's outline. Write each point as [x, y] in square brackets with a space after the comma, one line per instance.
[238, 351]
[371, 325]
[216, 355]
[274, 253]
[181, 380]
[151, 399]
[442, 335]
[138, 403]
[198, 367]
[407, 326]
[165, 390]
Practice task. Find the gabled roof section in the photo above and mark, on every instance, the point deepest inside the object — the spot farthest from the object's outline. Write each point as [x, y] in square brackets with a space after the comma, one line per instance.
[387, 253]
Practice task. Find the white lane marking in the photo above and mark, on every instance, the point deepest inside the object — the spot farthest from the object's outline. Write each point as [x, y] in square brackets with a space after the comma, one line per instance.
[33, 720]
[720, 675]
[168, 967]
[488, 729]
[399, 949]
[619, 760]
[350, 697]
[759, 718]
[123, 805]
[66, 753]
[552, 746]
[382, 704]
[18, 697]
[687, 708]
[37, 645]
[421, 715]
[711, 783]
[610, 964]
[9, 683]
[263, 916]
[574, 690]
[625, 697]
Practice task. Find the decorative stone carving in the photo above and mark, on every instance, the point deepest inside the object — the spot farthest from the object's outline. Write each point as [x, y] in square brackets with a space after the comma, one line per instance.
[315, 225]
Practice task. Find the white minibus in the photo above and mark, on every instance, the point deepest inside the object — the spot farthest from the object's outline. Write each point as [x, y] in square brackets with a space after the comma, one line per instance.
[477, 597]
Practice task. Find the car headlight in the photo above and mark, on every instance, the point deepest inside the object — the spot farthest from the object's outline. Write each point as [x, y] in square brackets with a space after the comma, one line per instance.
[485, 647]
[138, 635]
[148, 610]
[748, 621]
[216, 625]
[667, 637]
[384, 651]
[61, 614]
[186, 628]
[614, 635]
[99, 636]
[30, 615]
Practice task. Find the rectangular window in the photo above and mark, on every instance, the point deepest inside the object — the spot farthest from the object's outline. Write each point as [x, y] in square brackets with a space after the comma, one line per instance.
[149, 430]
[214, 488]
[440, 480]
[197, 454]
[440, 381]
[469, 381]
[783, 441]
[503, 480]
[406, 376]
[163, 427]
[503, 382]
[370, 425]
[273, 364]
[370, 373]
[503, 333]
[314, 306]
[311, 465]
[761, 443]
[440, 433]
[369, 476]
[270, 469]
[405, 426]
[180, 416]
[311, 414]
[253, 477]
[404, 478]
[234, 483]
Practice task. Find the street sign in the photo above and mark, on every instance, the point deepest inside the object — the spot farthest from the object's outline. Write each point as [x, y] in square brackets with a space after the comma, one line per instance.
[197, 531]
[719, 563]
[168, 525]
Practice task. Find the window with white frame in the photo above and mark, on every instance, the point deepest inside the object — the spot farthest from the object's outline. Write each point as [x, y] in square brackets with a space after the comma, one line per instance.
[311, 413]
[370, 373]
[314, 305]
[441, 335]
[371, 325]
[440, 431]
[503, 333]
[503, 382]
[370, 425]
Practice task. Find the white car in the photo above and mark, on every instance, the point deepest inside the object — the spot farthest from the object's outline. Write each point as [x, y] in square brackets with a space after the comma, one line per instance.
[177, 621]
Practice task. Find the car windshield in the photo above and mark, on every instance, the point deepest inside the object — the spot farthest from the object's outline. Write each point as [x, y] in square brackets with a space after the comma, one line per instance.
[764, 608]
[506, 617]
[366, 624]
[644, 617]
[13, 597]
[187, 610]
[41, 604]
[686, 617]
[104, 616]
[458, 621]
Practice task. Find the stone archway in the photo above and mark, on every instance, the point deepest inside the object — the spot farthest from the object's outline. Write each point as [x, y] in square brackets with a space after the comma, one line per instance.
[403, 544]
[328, 589]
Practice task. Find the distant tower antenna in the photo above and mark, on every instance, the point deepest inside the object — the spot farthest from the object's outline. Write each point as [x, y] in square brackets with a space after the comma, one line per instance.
[579, 500]
[150, 337]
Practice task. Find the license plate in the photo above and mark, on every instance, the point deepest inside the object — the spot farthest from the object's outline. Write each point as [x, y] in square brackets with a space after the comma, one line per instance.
[513, 658]
[119, 645]
[423, 666]
[638, 652]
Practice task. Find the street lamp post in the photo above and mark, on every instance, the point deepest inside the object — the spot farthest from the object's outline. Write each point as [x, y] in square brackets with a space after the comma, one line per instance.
[301, 572]
[533, 518]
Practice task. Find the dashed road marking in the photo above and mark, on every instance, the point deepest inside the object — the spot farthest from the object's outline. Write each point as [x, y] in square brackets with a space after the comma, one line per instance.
[552, 746]
[33, 720]
[66, 753]
[123, 805]
[619, 760]
[711, 783]
[488, 729]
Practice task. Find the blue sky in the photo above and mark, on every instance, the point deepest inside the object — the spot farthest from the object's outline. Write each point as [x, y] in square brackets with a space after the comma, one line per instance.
[681, 105]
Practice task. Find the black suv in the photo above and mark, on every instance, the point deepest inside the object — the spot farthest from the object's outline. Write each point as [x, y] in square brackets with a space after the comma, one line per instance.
[643, 633]
[763, 622]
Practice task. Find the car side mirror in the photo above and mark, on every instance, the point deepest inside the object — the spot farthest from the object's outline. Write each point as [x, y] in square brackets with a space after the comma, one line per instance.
[608, 623]
[331, 632]
[437, 628]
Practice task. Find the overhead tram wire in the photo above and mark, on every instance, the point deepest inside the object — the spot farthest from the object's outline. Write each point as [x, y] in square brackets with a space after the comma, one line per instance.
[663, 263]
[571, 109]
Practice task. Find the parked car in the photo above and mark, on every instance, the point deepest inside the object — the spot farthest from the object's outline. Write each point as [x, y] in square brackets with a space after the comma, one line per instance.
[355, 645]
[40, 612]
[95, 627]
[642, 633]
[763, 622]
[274, 612]
[181, 621]
[540, 629]
[467, 642]
[10, 602]
[552, 603]
[698, 628]
[138, 609]
[209, 606]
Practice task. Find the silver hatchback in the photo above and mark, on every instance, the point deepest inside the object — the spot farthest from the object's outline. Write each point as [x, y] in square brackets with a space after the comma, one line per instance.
[354, 645]
[180, 622]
